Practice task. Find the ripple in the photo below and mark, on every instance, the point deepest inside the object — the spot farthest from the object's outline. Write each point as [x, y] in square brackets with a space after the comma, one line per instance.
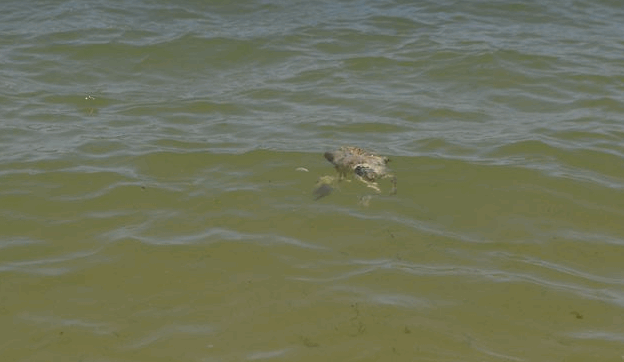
[16, 242]
[211, 235]
[44, 266]
[599, 335]
[97, 328]
[167, 333]
[267, 354]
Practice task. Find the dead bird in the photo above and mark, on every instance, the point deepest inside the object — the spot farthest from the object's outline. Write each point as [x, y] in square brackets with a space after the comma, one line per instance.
[366, 166]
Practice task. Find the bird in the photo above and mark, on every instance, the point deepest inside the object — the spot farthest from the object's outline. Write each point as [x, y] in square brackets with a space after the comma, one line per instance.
[366, 166]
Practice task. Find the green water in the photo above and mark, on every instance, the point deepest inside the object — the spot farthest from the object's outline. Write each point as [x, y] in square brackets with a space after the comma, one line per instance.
[151, 208]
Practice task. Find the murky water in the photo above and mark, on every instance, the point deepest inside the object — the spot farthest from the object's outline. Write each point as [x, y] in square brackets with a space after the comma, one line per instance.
[151, 208]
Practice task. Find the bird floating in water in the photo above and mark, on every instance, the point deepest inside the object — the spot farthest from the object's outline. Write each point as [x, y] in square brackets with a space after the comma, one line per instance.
[366, 166]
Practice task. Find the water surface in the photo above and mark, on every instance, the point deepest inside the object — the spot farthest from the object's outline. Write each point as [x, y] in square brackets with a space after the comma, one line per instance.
[151, 210]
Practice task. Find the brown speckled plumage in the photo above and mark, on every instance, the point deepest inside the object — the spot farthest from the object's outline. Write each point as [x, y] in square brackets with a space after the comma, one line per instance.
[366, 166]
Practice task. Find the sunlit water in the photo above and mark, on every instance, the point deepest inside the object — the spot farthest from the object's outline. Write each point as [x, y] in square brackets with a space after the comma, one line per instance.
[151, 208]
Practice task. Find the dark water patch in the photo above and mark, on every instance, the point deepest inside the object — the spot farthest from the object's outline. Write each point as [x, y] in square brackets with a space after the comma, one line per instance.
[102, 148]
[181, 109]
[376, 64]
[397, 25]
